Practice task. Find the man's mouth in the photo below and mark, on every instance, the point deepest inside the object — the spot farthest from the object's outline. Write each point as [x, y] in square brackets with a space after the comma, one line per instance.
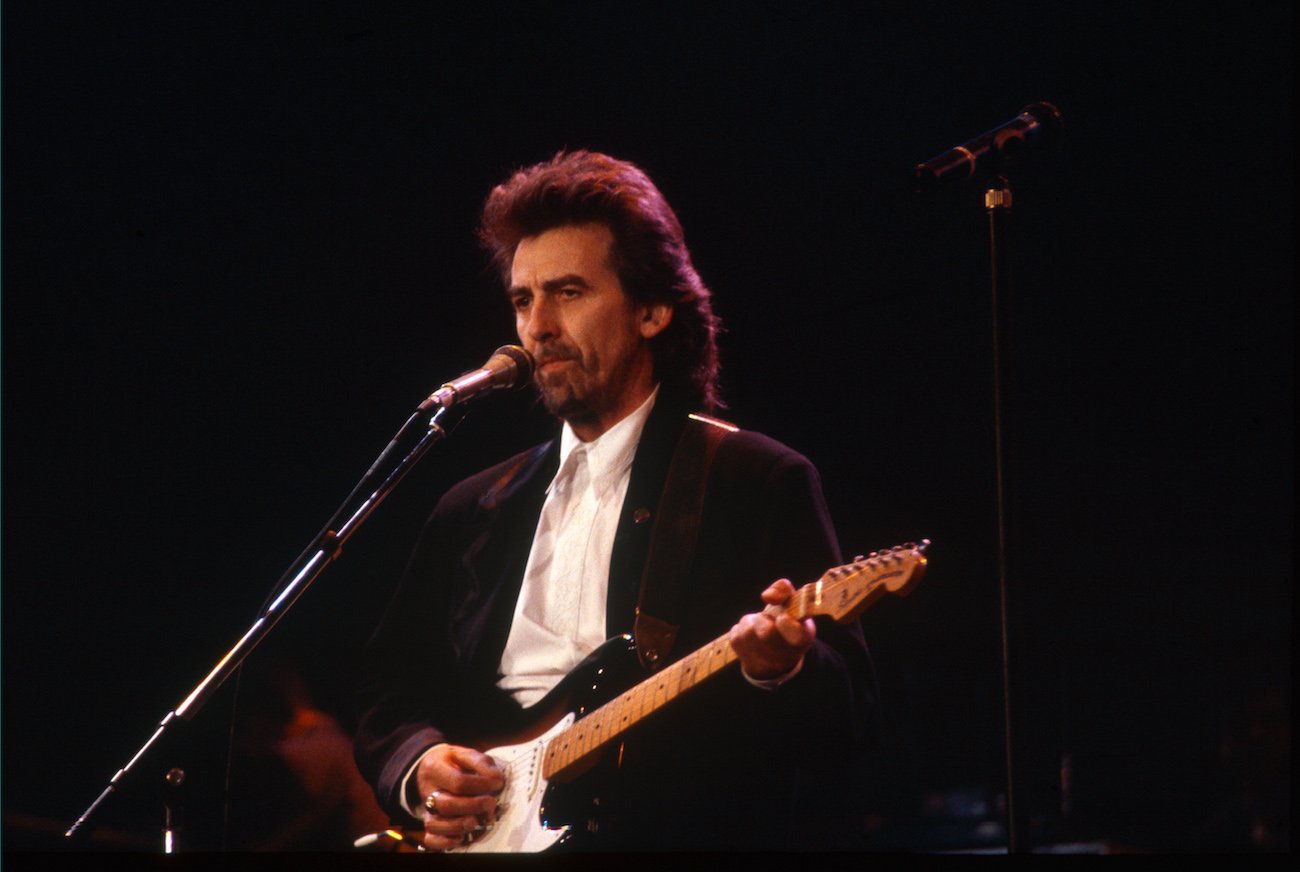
[552, 362]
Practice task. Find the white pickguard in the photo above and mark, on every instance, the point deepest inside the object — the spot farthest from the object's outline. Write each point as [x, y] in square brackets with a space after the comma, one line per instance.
[519, 827]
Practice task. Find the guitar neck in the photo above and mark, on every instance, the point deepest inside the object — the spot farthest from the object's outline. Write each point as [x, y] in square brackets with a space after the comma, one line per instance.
[620, 714]
[841, 593]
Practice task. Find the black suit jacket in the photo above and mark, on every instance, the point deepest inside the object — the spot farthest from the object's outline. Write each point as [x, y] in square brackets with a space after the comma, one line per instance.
[727, 765]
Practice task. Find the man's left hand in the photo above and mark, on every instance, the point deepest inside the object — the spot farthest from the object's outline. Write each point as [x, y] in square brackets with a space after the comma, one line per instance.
[772, 644]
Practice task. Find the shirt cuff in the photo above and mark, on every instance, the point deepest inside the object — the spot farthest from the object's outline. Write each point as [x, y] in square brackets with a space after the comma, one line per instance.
[404, 789]
[773, 683]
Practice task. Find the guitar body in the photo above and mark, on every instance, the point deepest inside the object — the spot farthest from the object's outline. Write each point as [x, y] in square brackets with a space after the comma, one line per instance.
[524, 822]
[535, 813]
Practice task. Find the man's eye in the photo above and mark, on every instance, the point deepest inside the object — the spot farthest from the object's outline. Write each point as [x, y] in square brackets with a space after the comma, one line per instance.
[520, 303]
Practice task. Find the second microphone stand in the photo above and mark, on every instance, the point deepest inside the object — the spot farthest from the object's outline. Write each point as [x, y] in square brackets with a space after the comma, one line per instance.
[997, 203]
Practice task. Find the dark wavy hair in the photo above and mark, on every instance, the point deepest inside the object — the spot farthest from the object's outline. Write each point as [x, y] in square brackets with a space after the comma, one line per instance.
[649, 252]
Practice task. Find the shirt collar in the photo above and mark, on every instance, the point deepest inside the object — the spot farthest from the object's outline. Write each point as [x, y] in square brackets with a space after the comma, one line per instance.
[610, 453]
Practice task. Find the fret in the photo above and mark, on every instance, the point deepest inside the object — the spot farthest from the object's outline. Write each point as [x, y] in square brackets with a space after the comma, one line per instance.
[659, 699]
[685, 670]
[596, 732]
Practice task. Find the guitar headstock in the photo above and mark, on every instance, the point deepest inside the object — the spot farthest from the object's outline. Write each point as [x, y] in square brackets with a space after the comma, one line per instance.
[844, 592]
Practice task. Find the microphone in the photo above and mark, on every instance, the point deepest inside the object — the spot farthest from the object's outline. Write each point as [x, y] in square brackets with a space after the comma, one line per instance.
[509, 367]
[1038, 122]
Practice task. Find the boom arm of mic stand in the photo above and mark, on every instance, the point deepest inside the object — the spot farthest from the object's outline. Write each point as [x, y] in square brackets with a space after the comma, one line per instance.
[309, 567]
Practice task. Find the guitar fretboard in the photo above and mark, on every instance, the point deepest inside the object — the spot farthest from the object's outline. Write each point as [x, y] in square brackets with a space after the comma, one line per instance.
[618, 715]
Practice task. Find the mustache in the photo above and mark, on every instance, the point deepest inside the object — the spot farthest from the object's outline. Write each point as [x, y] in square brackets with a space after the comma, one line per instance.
[553, 353]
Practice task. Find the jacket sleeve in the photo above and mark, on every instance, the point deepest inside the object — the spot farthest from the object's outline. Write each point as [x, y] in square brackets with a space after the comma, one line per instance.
[818, 722]
[790, 534]
[763, 764]
[396, 706]
[427, 674]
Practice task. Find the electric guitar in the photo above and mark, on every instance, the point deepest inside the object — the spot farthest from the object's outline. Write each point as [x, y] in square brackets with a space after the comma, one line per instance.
[565, 741]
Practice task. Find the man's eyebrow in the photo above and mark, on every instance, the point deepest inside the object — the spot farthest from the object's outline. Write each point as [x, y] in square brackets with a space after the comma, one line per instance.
[551, 285]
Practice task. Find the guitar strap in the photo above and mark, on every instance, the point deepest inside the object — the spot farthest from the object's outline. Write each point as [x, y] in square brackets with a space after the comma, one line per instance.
[672, 540]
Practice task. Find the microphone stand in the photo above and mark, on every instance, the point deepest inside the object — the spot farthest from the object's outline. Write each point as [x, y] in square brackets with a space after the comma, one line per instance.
[322, 552]
[985, 154]
[997, 203]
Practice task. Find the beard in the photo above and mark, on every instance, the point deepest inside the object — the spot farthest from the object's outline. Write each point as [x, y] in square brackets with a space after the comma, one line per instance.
[563, 399]
[568, 391]
[583, 389]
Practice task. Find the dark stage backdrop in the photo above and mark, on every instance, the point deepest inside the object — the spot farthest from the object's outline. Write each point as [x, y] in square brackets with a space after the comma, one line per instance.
[238, 251]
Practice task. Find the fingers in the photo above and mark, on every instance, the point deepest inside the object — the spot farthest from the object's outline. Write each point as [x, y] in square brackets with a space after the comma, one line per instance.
[447, 828]
[778, 593]
[460, 786]
[770, 646]
[451, 820]
[466, 771]
[774, 633]
[437, 842]
[474, 810]
[458, 770]
[796, 634]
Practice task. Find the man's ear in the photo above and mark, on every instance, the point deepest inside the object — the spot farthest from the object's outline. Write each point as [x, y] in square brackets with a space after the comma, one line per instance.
[654, 319]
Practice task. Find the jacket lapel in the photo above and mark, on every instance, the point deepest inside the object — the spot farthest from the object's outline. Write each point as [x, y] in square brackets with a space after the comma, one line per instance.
[636, 519]
[509, 509]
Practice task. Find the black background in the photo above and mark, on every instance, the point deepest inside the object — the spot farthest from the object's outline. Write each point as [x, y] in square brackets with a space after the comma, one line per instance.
[238, 250]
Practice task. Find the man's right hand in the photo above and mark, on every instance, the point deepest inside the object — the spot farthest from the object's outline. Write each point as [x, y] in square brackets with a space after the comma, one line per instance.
[459, 787]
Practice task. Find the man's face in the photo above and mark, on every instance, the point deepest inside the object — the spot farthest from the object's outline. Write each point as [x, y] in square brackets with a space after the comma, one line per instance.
[588, 338]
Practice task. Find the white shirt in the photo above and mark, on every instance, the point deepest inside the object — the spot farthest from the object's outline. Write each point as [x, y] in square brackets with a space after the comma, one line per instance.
[560, 615]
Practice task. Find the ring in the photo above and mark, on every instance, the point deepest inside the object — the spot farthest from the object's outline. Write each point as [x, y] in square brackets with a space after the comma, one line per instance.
[431, 802]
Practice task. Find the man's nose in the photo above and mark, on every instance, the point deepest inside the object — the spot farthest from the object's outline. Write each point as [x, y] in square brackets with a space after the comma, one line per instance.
[542, 322]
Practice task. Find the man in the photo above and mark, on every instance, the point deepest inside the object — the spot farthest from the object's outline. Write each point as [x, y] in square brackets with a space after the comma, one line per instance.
[525, 568]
